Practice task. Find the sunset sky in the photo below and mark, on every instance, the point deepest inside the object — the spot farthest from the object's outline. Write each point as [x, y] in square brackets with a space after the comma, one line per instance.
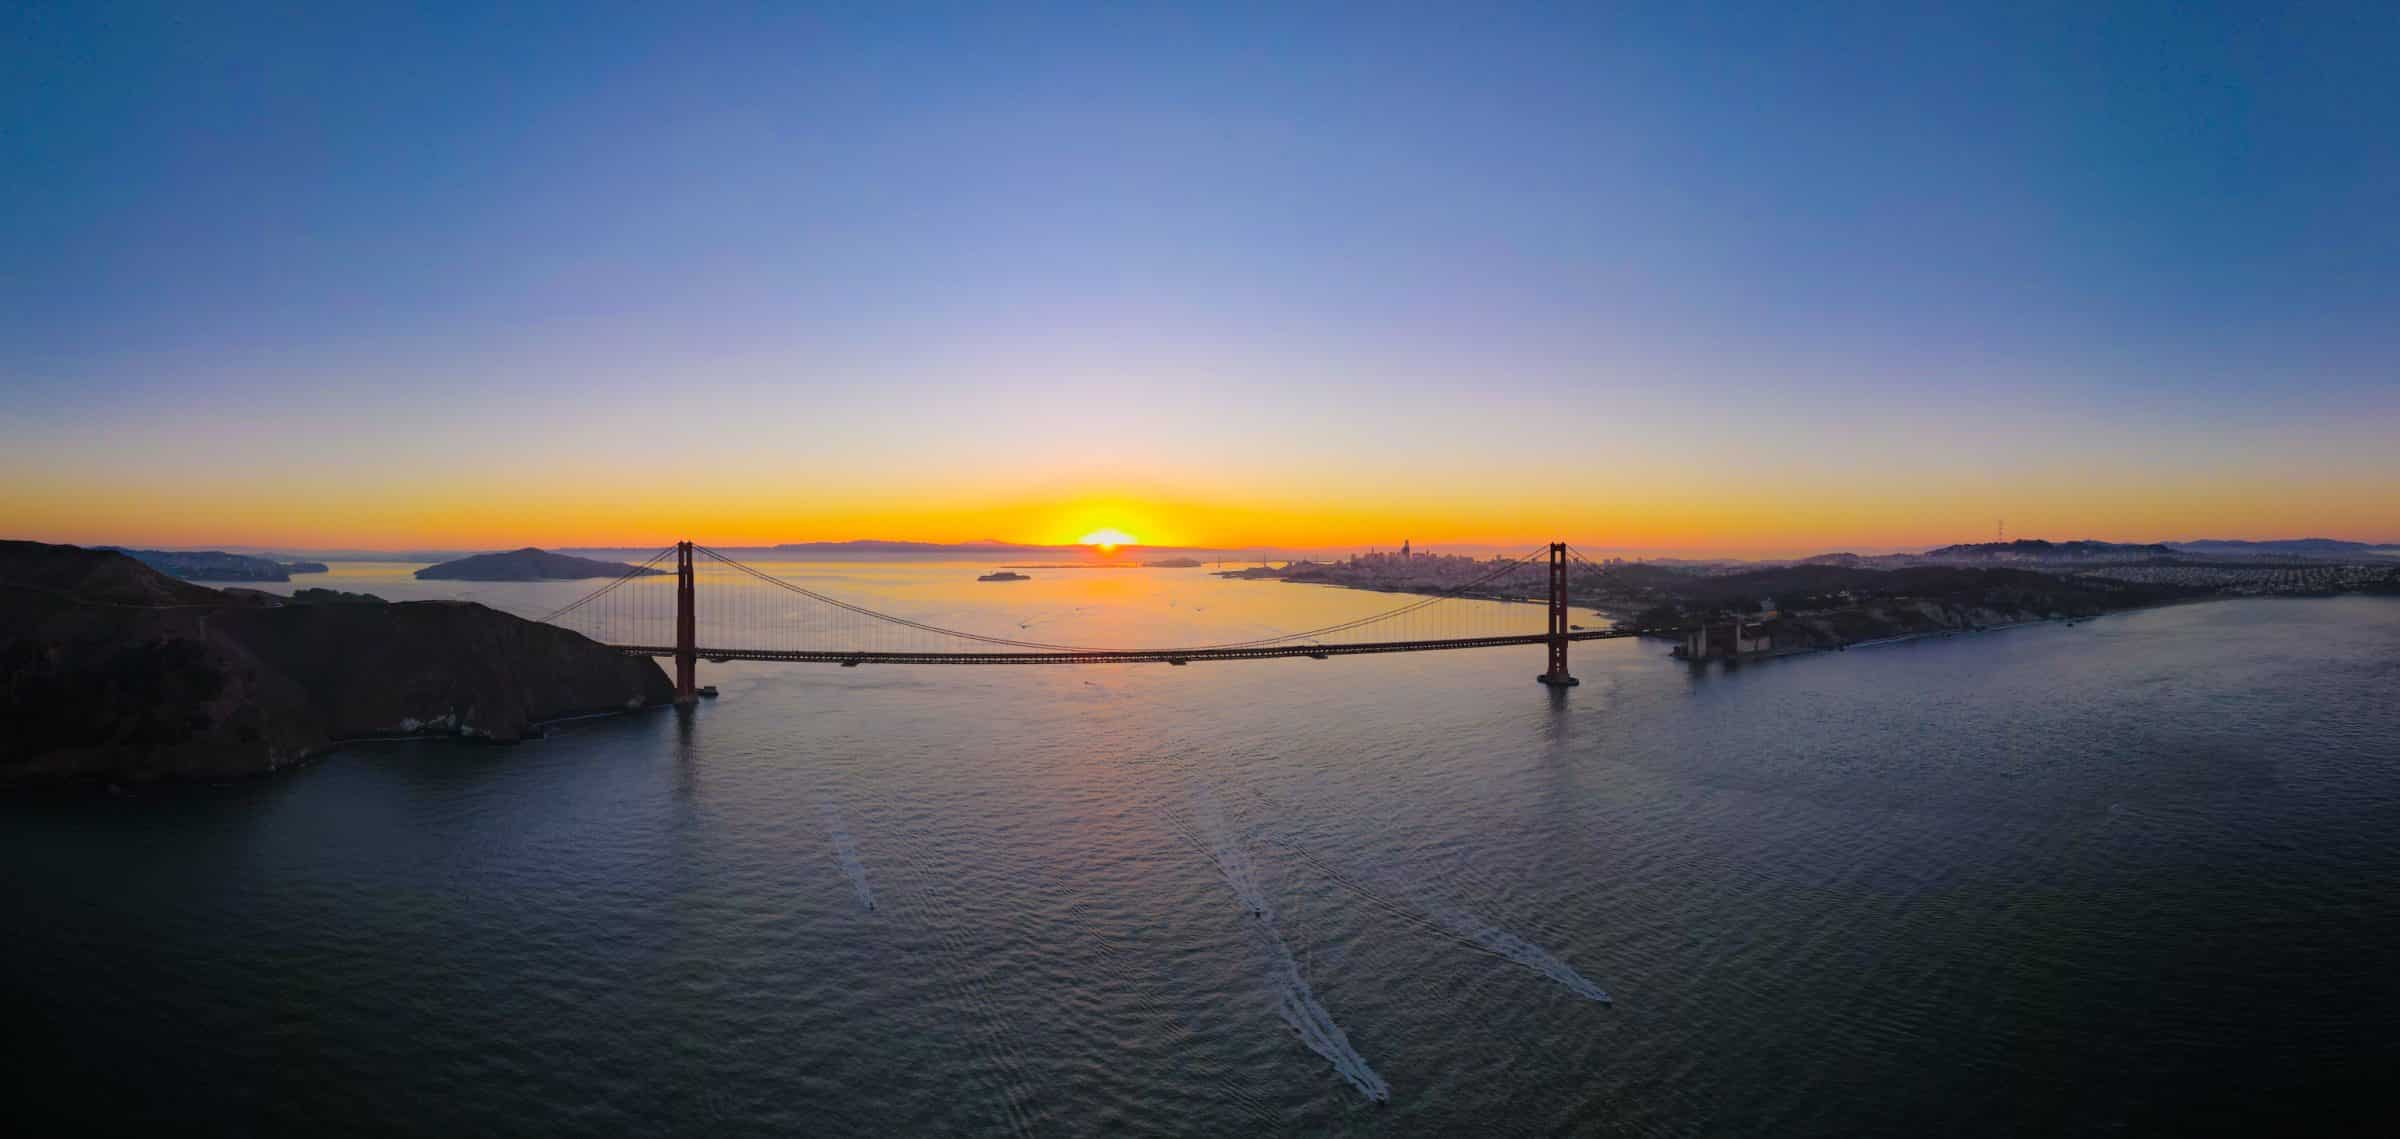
[1758, 279]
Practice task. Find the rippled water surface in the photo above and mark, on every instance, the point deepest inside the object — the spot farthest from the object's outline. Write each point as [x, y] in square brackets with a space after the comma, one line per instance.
[2139, 874]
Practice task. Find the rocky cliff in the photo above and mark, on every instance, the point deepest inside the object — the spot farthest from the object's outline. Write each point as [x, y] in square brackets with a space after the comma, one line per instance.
[110, 671]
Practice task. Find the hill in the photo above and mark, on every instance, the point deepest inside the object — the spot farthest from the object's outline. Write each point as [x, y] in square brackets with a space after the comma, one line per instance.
[217, 565]
[528, 564]
[1828, 606]
[111, 671]
[2317, 548]
[2040, 550]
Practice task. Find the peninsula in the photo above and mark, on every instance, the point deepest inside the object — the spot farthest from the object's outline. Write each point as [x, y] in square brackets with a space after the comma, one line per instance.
[112, 672]
[1835, 600]
[217, 565]
[528, 564]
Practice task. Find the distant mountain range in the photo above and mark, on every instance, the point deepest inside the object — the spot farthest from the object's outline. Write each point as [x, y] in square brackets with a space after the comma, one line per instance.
[2040, 550]
[884, 546]
[983, 546]
[2287, 547]
[2085, 551]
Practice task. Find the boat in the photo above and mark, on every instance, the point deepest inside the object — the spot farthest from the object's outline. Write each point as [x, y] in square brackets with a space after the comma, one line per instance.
[1003, 575]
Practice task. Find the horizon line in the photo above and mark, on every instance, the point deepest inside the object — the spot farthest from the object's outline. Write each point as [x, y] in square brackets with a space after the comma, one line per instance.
[1252, 549]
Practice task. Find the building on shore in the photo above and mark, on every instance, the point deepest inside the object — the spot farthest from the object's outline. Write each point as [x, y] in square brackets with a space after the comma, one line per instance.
[1726, 637]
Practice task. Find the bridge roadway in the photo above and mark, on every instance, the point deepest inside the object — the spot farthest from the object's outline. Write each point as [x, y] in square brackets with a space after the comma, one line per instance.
[1121, 656]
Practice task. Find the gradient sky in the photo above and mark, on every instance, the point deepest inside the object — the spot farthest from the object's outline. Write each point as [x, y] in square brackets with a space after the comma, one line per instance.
[1738, 279]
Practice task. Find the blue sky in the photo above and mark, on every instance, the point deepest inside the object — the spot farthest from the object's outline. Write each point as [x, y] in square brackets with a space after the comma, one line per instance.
[1711, 276]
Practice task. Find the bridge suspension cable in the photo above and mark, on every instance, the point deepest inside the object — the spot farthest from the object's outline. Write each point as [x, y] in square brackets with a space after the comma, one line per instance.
[1451, 594]
[904, 622]
[645, 568]
[740, 617]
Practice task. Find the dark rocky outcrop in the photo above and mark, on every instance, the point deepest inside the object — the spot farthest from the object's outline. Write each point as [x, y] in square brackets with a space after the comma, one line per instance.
[528, 564]
[310, 596]
[320, 596]
[110, 671]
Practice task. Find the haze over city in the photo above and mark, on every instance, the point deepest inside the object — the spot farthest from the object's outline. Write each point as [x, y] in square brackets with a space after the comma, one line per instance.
[1743, 281]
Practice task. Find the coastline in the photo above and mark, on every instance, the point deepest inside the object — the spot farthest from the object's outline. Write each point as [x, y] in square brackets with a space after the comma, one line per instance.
[86, 785]
[1620, 619]
[1933, 634]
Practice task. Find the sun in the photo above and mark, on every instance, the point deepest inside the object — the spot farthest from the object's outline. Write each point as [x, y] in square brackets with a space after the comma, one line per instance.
[1107, 539]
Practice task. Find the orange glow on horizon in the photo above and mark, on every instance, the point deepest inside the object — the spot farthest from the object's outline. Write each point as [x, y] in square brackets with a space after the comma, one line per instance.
[1672, 513]
[1107, 539]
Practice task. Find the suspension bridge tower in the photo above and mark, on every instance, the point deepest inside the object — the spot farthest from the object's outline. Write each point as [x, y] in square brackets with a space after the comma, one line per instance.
[687, 641]
[1557, 676]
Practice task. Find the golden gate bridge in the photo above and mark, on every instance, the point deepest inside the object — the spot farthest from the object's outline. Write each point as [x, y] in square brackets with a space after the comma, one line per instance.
[753, 615]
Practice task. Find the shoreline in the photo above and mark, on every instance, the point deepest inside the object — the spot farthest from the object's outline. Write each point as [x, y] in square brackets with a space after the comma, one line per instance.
[1930, 634]
[1618, 619]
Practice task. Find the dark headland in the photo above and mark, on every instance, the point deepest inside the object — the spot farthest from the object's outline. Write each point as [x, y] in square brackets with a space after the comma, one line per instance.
[111, 672]
[528, 564]
[217, 565]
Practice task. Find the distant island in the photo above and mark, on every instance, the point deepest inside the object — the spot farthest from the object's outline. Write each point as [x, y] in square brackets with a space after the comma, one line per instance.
[112, 672]
[1004, 575]
[1162, 563]
[528, 564]
[217, 565]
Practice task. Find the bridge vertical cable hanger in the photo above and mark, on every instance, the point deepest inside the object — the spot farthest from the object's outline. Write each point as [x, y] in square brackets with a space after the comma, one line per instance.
[639, 569]
[743, 613]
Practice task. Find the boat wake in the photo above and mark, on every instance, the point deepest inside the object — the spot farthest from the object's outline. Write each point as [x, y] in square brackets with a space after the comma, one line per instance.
[1298, 1005]
[1295, 1001]
[1504, 944]
[1216, 839]
[1413, 905]
[845, 851]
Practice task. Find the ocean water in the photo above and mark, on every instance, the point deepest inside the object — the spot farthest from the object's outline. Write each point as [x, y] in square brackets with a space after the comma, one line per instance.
[2140, 875]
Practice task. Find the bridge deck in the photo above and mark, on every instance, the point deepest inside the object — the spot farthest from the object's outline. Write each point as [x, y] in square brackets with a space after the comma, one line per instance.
[1120, 656]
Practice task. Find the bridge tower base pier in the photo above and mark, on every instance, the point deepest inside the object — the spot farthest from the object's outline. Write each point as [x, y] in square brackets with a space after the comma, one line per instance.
[1557, 676]
[687, 641]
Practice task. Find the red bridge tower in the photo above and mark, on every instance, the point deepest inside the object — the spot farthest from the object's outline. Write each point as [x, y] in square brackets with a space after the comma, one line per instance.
[687, 644]
[1557, 676]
